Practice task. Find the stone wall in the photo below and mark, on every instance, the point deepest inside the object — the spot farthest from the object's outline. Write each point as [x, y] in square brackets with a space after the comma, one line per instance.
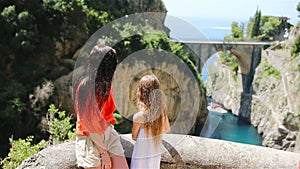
[180, 152]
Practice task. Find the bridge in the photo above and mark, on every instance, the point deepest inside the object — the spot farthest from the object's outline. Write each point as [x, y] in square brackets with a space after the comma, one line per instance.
[248, 55]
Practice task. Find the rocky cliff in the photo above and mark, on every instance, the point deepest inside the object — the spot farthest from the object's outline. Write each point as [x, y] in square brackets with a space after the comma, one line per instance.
[273, 104]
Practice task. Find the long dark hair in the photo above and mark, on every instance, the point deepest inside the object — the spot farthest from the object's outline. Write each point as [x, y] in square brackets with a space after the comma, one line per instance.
[98, 77]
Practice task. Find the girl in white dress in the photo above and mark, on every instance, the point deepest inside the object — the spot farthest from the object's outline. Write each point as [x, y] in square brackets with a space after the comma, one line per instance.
[149, 124]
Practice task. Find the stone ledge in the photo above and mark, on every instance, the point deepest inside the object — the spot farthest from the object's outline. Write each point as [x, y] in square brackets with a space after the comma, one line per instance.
[180, 151]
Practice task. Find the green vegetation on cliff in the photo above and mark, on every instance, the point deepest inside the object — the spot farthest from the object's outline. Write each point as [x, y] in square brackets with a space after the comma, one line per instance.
[48, 30]
[37, 36]
[295, 50]
[230, 60]
[269, 70]
[145, 37]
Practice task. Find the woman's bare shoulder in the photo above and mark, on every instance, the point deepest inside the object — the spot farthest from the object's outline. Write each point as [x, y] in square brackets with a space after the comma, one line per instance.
[139, 117]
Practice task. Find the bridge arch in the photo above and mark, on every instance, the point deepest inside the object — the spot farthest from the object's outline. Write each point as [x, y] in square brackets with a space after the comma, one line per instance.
[244, 65]
[248, 56]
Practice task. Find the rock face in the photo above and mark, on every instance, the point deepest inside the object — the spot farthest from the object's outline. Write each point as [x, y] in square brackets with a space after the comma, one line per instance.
[223, 88]
[185, 102]
[60, 156]
[63, 93]
[277, 102]
[273, 105]
[180, 152]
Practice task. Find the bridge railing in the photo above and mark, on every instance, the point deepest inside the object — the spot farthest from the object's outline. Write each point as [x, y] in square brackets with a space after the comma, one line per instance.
[220, 42]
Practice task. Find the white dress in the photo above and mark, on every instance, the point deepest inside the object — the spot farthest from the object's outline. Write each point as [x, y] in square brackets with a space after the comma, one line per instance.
[145, 154]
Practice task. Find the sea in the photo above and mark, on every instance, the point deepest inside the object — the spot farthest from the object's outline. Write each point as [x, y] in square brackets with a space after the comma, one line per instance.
[190, 29]
[210, 29]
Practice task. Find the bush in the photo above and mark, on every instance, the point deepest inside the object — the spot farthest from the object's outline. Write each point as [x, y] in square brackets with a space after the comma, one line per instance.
[295, 50]
[11, 101]
[230, 60]
[269, 70]
[60, 128]
[20, 150]
[123, 125]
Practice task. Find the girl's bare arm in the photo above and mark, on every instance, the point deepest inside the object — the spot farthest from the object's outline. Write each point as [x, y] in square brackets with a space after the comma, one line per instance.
[166, 123]
[135, 130]
[137, 123]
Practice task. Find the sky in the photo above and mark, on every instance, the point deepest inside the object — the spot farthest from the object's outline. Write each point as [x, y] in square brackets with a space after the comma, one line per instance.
[214, 17]
[238, 10]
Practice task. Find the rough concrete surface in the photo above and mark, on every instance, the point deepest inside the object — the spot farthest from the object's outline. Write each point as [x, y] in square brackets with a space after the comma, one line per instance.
[180, 151]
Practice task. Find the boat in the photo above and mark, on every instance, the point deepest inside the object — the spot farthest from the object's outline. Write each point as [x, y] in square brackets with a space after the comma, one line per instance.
[215, 107]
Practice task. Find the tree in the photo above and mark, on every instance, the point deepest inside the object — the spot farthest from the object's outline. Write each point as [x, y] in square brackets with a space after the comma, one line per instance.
[35, 36]
[256, 24]
[236, 32]
[31, 29]
[30, 32]
[270, 26]
[249, 28]
[295, 50]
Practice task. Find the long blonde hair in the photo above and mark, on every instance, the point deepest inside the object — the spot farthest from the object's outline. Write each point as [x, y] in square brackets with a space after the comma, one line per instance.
[149, 99]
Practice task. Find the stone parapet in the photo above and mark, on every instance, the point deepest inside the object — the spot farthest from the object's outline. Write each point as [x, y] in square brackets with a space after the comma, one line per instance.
[180, 151]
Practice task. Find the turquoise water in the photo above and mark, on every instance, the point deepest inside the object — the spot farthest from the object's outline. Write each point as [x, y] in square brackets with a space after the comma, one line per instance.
[231, 128]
